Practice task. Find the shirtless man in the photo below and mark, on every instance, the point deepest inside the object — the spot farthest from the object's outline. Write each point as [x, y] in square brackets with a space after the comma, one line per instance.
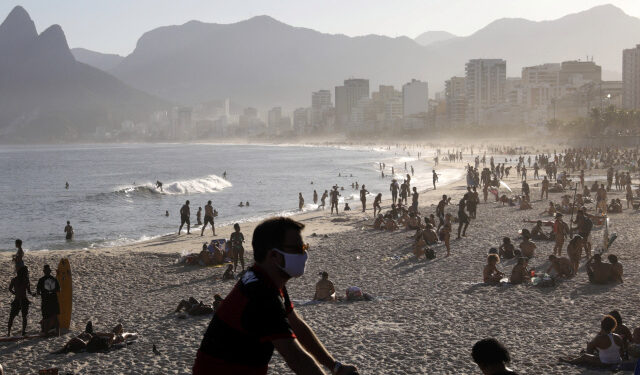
[208, 218]
[560, 232]
[199, 216]
[404, 192]
[440, 210]
[96, 341]
[490, 273]
[527, 247]
[68, 230]
[325, 291]
[463, 218]
[537, 232]
[19, 287]
[376, 204]
[363, 197]
[184, 217]
[545, 188]
[561, 265]
[334, 199]
[394, 187]
[435, 178]
[520, 273]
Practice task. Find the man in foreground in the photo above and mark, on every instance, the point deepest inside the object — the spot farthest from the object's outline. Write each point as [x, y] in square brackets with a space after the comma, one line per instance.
[258, 316]
[491, 357]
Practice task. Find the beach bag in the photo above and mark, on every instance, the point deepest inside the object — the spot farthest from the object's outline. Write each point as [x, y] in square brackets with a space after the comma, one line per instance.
[429, 253]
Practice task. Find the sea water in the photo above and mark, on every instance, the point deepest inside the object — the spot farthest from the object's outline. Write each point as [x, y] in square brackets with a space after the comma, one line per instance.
[112, 198]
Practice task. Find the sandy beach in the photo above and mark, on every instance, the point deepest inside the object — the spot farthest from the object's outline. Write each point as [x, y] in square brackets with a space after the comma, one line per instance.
[424, 320]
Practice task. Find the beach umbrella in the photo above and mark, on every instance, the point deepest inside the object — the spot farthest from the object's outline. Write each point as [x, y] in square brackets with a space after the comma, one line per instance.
[504, 185]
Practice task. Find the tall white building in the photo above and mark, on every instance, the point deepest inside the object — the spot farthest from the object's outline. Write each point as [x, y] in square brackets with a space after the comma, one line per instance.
[348, 96]
[631, 78]
[415, 98]
[455, 95]
[485, 80]
[320, 108]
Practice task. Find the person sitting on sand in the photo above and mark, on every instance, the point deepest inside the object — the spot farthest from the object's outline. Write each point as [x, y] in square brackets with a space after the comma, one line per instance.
[622, 330]
[228, 273]
[524, 204]
[404, 219]
[194, 307]
[520, 273]
[93, 342]
[414, 222]
[574, 250]
[607, 344]
[379, 222]
[538, 234]
[561, 265]
[429, 235]
[527, 247]
[217, 301]
[615, 207]
[598, 272]
[616, 269]
[506, 250]
[551, 210]
[346, 207]
[390, 225]
[490, 274]
[325, 291]
[491, 357]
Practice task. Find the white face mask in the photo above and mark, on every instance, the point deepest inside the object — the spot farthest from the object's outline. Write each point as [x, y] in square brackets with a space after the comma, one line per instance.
[294, 264]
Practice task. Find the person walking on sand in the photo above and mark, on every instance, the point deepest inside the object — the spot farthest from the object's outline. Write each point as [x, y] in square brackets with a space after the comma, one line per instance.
[68, 230]
[315, 197]
[19, 287]
[394, 187]
[376, 204]
[363, 197]
[300, 201]
[209, 214]
[237, 249]
[48, 288]
[334, 199]
[435, 178]
[463, 218]
[185, 213]
[257, 316]
[323, 199]
[414, 200]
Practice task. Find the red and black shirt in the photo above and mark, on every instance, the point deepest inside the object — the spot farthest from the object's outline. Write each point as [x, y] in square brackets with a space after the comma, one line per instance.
[239, 337]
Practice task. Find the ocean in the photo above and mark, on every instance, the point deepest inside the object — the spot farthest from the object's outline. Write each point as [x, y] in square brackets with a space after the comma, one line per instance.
[112, 198]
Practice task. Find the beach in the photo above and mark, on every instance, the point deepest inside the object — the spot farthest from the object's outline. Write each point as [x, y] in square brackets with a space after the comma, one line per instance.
[424, 319]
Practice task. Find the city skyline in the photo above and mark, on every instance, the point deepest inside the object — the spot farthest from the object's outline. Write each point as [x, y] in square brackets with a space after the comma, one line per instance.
[115, 27]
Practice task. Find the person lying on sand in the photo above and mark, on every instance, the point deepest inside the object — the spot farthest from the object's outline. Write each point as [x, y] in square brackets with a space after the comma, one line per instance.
[506, 250]
[604, 350]
[520, 273]
[93, 342]
[325, 291]
[355, 293]
[561, 265]
[490, 274]
[194, 307]
[491, 357]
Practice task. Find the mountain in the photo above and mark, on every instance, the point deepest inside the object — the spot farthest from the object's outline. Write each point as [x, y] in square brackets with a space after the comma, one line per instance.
[431, 37]
[264, 62]
[46, 95]
[102, 61]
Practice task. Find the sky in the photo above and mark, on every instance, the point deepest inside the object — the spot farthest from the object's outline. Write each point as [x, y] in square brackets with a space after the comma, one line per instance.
[114, 26]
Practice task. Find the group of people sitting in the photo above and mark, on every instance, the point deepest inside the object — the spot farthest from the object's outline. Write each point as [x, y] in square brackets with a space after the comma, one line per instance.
[326, 291]
[211, 254]
[613, 347]
[398, 215]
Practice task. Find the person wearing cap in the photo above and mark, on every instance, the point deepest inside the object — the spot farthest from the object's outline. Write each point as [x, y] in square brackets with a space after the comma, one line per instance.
[325, 291]
[560, 233]
[48, 288]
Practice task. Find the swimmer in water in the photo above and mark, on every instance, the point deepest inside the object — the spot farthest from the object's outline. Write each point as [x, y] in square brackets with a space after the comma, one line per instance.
[241, 204]
[66, 185]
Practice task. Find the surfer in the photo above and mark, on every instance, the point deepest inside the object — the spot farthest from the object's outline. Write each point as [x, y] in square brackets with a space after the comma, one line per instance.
[159, 185]
[199, 216]
[19, 287]
[68, 230]
[208, 218]
[184, 217]
[363, 197]
[48, 288]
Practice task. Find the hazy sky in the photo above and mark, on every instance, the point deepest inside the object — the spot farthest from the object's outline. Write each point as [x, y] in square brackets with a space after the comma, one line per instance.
[114, 26]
